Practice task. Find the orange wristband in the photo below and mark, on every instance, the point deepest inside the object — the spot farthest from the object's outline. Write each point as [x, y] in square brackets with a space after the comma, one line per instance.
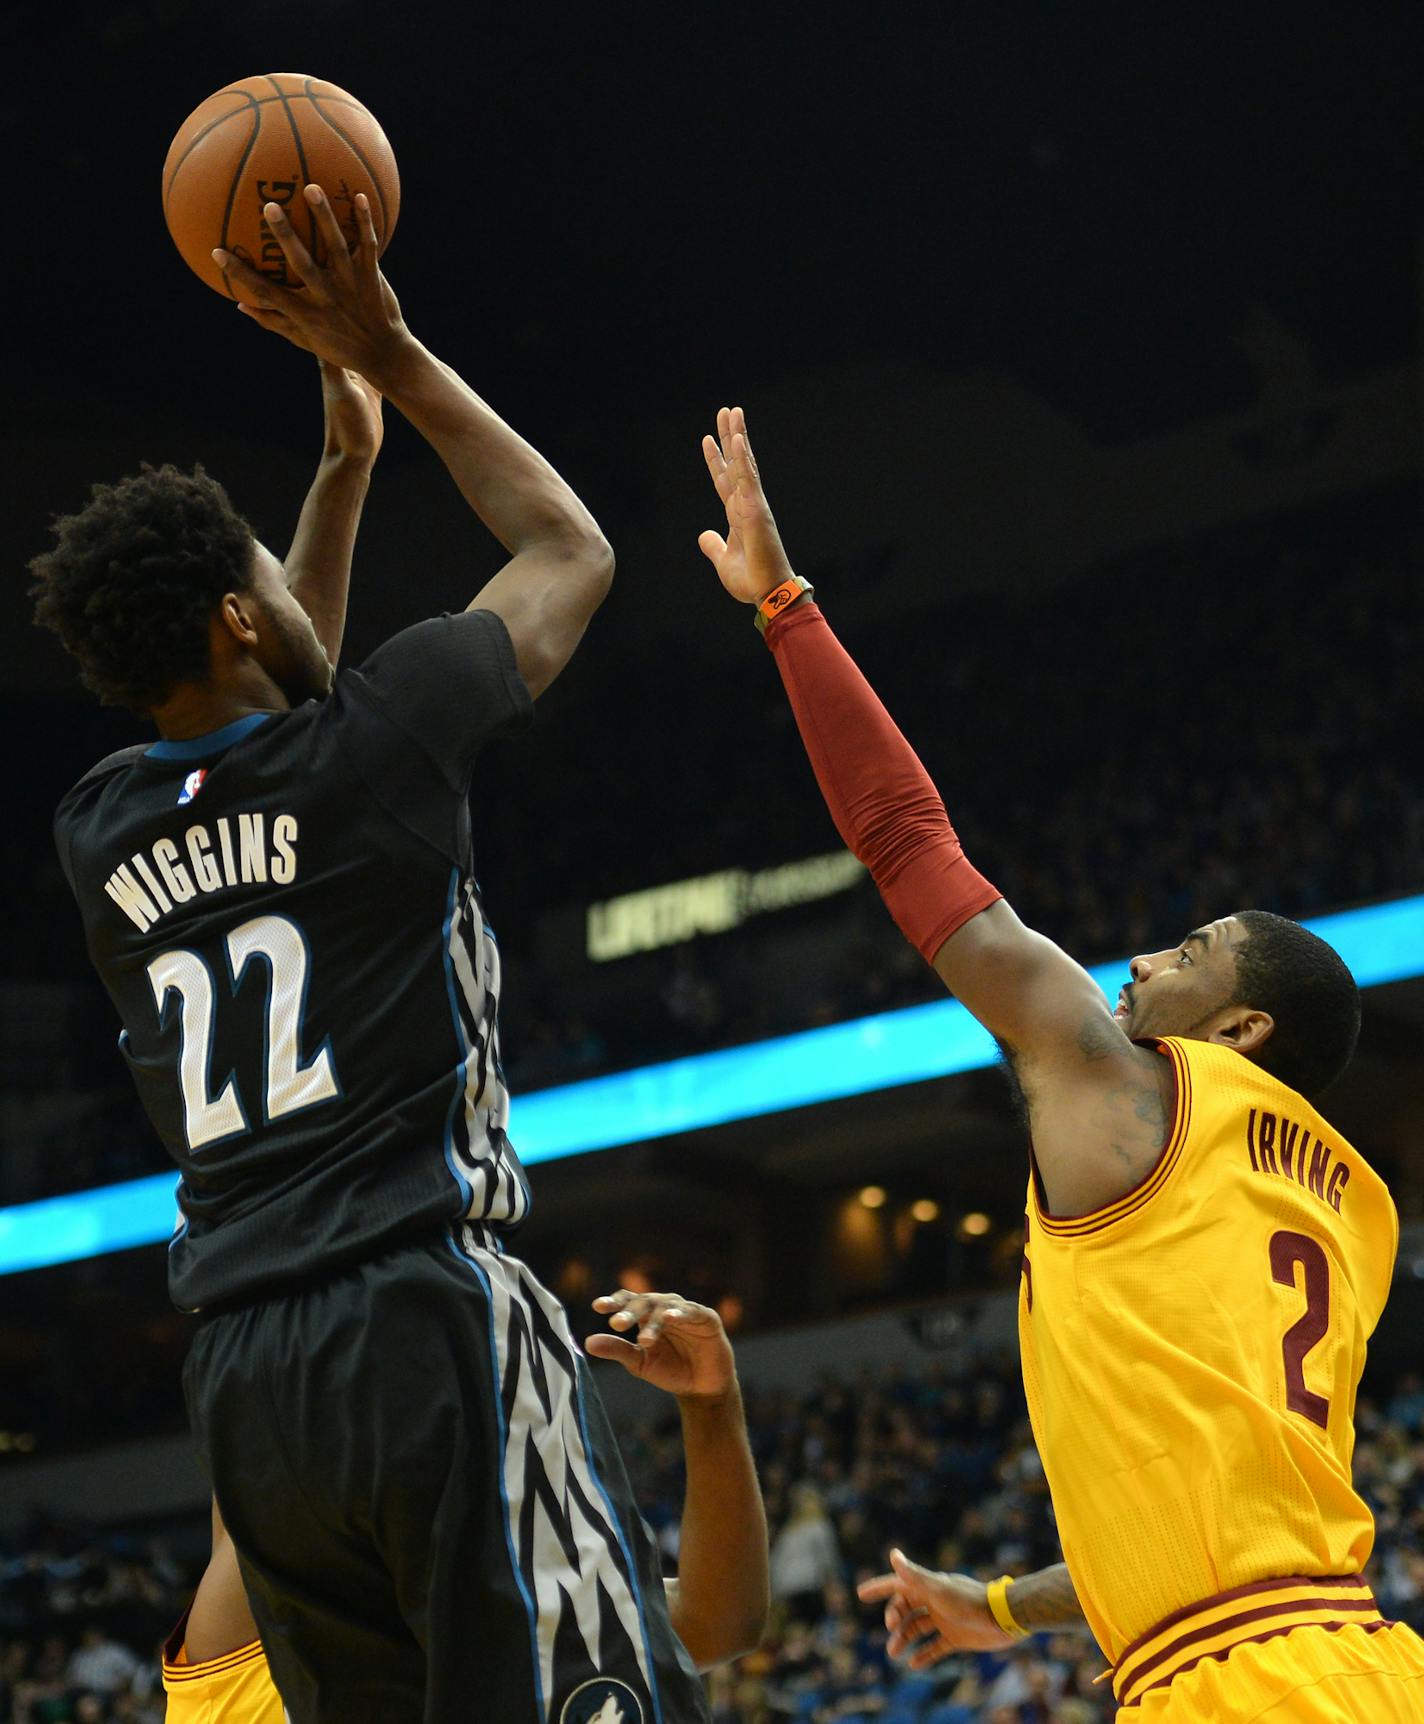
[779, 598]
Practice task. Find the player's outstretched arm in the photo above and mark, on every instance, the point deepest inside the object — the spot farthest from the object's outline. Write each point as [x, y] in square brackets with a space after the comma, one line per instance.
[318, 565]
[1099, 1104]
[719, 1601]
[931, 1614]
[345, 312]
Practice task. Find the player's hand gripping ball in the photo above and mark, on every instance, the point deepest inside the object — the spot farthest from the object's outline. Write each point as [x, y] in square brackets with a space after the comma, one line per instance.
[259, 141]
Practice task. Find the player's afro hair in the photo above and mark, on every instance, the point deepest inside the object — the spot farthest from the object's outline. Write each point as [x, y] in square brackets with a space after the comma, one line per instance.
[1284, 969]
[134, 577]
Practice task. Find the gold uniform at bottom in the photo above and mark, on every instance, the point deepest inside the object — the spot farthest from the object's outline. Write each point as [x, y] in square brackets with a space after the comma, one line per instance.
[1191, 1355]
[1309, 1649]
[1346, 1675]
[234, 1689]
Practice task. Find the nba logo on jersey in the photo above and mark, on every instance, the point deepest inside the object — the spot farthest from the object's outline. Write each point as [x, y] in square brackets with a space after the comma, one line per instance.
[602, 1701]
[192, 784]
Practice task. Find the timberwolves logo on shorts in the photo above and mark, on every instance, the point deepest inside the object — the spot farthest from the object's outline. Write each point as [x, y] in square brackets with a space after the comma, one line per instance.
[602, 1701]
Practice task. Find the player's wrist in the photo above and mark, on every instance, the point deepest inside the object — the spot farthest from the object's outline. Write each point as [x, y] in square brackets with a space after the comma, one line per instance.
[399, 365]
[719, 1404]
[346, 463]
[788, 592]
[996, 1602]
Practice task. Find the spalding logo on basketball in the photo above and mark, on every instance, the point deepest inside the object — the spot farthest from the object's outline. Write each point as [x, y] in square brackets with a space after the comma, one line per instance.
[602, 1701]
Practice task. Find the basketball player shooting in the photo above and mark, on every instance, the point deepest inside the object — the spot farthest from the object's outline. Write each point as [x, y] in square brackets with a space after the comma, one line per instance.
[1206, 1255]
[213, 1663]
[279, 896]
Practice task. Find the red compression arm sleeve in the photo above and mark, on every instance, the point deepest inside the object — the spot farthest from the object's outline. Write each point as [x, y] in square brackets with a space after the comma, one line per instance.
[882, 800]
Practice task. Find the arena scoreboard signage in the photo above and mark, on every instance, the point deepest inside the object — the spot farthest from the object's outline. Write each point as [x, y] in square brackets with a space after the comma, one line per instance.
[711, 904]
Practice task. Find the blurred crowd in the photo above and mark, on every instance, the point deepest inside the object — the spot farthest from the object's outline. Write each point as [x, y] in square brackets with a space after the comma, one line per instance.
[940, 1463]
[81, 1618]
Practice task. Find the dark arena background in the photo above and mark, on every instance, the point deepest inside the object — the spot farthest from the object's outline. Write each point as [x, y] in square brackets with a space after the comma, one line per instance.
[1082, 352]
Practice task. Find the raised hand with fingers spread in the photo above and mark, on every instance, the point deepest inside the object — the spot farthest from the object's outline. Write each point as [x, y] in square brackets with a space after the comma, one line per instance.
[751, 560]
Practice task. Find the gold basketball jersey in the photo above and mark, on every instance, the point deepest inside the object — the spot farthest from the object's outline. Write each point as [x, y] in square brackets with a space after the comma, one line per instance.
[1191, 1353]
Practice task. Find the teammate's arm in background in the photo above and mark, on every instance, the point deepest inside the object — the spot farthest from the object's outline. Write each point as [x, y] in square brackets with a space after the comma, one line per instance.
[719, 1600]
[931, 1614]
[318, 565]
[1099, 1105]
[560, 564]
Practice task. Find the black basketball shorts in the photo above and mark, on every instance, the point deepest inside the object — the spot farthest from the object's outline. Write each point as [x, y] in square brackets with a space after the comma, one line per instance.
[431, 1512]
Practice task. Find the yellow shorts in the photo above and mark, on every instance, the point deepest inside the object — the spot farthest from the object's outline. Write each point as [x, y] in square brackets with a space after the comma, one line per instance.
[234, 1689]
[1311, 1675]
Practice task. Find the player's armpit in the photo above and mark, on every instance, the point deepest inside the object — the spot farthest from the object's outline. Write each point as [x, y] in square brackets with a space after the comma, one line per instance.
[1100, 1108]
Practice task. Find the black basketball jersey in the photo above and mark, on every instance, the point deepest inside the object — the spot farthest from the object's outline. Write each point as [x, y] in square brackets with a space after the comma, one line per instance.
[285, 914]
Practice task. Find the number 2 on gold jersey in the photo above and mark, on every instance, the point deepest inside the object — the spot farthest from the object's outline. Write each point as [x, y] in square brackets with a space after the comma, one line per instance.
[1288, 1249]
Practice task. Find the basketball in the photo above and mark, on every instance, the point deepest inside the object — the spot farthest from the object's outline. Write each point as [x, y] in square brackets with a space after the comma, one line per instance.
[259, 141]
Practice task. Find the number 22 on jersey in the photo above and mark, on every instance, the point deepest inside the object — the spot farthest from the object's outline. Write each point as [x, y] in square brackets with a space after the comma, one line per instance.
[288, 1084]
